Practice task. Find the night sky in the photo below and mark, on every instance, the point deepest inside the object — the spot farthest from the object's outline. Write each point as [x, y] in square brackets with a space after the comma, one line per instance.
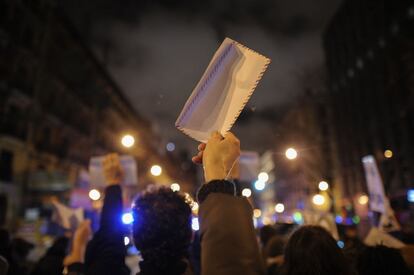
[157, 51]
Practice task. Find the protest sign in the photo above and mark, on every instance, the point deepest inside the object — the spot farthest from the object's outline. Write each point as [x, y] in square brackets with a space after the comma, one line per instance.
[128, 165]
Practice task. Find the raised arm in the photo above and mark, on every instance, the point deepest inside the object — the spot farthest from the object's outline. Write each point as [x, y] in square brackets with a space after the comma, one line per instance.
[228, 240]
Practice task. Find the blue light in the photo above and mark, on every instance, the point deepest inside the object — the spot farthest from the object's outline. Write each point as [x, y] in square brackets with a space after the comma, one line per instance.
[339, 219]
[410, 195]
[348, 221]
[194, 224]
[340, 244]
[127, 218]
[259, 185]
[170, 146]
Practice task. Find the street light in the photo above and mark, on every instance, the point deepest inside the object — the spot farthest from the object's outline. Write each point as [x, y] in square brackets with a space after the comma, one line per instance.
[128, 141]
[279, 208]
[323, 186]
[246, 192]
[388, 154]
[175, 187]
[259, 185]
[257, 213]
[291, 154]
[263, 176]
[363, 199]
[318, 199]
[94, 195]
[156, 170]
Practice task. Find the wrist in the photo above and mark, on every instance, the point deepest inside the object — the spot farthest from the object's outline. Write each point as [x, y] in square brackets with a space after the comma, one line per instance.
[214, 174]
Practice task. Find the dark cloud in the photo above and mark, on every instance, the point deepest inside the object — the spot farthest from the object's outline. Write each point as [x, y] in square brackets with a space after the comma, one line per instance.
[157, 51]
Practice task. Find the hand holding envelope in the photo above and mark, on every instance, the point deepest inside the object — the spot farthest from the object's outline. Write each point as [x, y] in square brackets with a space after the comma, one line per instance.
[223, 91]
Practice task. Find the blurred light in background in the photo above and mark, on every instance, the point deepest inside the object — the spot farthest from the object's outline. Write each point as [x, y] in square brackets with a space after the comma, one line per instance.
[291, 153]
[170, 147]
[339, 219]
[388, 154]
[127, 218]
[323, 186]
[279, 208]
[194, 224]
[318, 199]
[356, 219]
[246, 192]
[410, 195]
[363, 199]
[263, 176]
[340, 244]
[297, 217]
[94, 195]
[259, 185]
[195, 207]
[128, 141]
[175, 187]
[257, 213]
[126, 240]
[156, 170]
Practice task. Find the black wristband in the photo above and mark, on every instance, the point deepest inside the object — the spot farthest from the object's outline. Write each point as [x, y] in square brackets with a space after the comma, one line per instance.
[217, 186]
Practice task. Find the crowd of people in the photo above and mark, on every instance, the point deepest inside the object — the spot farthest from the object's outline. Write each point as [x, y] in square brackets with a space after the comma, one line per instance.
[226, 244]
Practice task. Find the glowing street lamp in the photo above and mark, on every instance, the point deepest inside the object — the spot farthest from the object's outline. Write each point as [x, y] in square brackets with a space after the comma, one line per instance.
[279, 208]
[388, 154]
[128, 141]
[323, 186]
[175, 187]
[363, 199]
[156, 170]
[246, 192]
[318, 199]
[291, 154]
[263, 176]
[94, 195]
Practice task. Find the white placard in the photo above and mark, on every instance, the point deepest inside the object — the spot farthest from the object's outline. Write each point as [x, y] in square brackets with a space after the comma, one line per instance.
[129, 167]
[66, 217]
[377, 197]
[223, 91]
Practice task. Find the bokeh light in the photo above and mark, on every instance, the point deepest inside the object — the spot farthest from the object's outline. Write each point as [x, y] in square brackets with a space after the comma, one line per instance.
[94, 195]
[126, 240]
[279, 208]
[298, 218]
[263, 176]
[246, 192]
[127, 218]
[128, 141]
[156, 170]
[363, 199]
[195, 225]
[257, 213]
[170, 146]
[323, 186]
[259, 185]
[291, 153]
[318, 199]
[175, 187]
[388, 154]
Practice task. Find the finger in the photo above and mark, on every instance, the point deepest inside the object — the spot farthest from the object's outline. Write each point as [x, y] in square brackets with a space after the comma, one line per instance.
[201, 147]
[196, 160]
[216, 136]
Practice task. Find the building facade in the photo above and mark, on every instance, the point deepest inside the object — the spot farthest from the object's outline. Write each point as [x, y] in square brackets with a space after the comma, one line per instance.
[59, 107]
[369, 48]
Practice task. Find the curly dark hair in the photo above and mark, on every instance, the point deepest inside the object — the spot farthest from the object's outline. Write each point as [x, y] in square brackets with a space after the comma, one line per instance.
[311, 250]
[162, 230]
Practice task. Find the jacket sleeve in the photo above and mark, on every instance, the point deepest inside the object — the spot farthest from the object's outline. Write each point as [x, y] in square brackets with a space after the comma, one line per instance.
[228, 240]
[106, 251]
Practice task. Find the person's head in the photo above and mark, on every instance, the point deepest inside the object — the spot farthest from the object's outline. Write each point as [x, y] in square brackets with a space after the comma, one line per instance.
[162, 230]
[266, 233]
[311, 250]
[380, 260]
[275, 246]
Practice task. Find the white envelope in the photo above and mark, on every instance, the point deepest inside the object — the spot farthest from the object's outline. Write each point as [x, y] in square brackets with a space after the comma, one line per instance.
[222, 91]
[129, 167]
